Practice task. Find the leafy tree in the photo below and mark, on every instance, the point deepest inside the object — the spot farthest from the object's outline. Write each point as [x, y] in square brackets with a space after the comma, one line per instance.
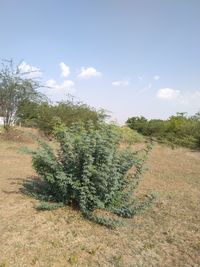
[27, 113]
[137, 123]
[90, 171]
[15, 87]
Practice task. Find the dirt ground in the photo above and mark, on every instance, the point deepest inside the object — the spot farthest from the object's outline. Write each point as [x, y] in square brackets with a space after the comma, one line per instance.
[168, 234]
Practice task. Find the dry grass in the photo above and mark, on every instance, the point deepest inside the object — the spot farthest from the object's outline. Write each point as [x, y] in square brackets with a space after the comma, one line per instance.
[166, 235]
[20, 135]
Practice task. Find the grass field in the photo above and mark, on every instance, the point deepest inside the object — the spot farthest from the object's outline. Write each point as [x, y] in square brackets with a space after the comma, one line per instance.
[168, 234]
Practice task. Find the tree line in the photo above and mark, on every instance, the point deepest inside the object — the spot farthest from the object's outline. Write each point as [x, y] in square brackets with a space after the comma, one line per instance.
[22, 103]
[179, 129]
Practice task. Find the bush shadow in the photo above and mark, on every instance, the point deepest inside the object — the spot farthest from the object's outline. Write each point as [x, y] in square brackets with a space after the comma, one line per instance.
[36, 188]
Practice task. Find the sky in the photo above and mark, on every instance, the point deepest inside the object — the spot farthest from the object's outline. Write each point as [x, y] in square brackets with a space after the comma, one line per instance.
[130, 57]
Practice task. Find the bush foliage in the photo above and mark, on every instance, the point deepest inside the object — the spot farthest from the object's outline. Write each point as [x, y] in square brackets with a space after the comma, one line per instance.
[90, 171]
[46, 116]
[181, 130]
[127, 135]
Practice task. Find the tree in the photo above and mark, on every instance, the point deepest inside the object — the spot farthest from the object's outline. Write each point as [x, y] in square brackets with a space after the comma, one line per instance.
[137, 123]
[16, 87]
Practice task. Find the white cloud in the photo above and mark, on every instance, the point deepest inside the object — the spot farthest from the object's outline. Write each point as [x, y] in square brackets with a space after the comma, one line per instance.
[65, 70]
[168, 93]
[55, 88]
[121, 83]
[156, 77]
[87, 73]
[30, 71]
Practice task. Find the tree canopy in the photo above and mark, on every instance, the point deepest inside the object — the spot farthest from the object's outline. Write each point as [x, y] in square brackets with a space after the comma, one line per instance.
[16, 87]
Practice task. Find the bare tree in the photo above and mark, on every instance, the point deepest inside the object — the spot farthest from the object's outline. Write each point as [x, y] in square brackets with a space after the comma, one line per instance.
[16, 86]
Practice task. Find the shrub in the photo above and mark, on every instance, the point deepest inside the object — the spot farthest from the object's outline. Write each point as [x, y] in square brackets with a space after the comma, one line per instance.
[46, 116]
[128, 135]
[178, 130]
[90, 171]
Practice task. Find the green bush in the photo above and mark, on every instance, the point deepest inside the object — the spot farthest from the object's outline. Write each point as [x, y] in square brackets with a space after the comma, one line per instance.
[46, 116]
[178, 130]
[128, 135]
[90, 171]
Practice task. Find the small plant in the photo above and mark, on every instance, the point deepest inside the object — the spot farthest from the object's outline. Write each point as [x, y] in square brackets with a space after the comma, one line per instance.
[89, 170]
[48, 206]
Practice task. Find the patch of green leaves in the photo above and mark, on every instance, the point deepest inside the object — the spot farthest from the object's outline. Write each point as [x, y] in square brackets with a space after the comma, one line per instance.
[48, 206]
[89, 170]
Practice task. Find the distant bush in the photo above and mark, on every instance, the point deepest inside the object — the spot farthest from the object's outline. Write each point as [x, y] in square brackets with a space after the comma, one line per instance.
[180, 130]
[128, 135]
[46, 116]
[90, 171]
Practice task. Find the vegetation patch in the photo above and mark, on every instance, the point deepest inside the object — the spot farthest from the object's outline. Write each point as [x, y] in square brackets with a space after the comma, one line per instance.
[46, 116]
[127, 135]
[48, 206]
[178, 130]
[90, 171]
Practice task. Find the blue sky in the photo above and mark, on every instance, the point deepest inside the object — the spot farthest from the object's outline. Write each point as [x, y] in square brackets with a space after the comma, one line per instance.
[130, 57]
